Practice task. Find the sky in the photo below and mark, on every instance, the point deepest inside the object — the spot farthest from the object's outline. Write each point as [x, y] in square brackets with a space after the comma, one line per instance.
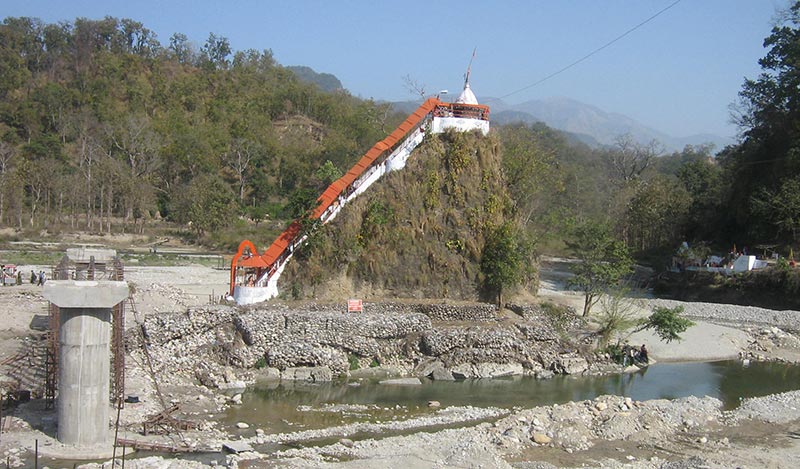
[678, 73]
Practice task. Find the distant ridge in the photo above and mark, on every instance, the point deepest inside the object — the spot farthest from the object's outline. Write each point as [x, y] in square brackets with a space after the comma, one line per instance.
[326, 81]
[584, 122]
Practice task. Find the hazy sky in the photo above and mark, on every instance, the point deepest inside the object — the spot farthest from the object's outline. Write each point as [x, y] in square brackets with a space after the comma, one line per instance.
[678, 73]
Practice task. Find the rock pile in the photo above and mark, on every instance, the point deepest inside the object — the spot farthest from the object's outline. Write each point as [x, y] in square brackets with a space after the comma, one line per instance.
[317, 343]
[576, 426]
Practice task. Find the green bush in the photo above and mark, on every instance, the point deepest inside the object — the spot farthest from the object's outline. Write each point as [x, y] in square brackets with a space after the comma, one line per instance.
[353, 359]
[615, 352]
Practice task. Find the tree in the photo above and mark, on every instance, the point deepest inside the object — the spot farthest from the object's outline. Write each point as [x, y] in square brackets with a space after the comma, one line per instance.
[619, 318]
[181, 48]
[502, 260]
[667, 323]
[780, 207]
[532, 174]
[630, 158]
[7, 153]
[326, 174]
[768, 115]
[238, 158]
[702, 179]
[206, 204]
[301, 203]
[657, 213]
[414, 87]
[215, 51]
[603, 262]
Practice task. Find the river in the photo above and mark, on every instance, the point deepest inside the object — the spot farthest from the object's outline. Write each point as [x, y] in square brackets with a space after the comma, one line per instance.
[282, 407]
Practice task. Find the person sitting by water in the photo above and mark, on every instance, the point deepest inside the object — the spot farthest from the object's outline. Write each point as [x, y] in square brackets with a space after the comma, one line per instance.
[627, 355]
[642, 355]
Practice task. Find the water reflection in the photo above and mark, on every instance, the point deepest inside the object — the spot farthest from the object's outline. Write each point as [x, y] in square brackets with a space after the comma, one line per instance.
[274, 407]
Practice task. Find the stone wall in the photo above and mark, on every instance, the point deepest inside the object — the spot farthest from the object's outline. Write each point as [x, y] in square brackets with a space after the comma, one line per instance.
[163, 328]
[442, 312]
[425, 340]
[313, 338]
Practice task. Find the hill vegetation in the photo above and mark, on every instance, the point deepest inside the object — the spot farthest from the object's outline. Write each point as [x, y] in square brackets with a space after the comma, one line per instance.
[105, 129]
[420, 232]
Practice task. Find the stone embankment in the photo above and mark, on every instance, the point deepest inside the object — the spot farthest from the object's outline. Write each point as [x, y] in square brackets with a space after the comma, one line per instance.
[318, 343]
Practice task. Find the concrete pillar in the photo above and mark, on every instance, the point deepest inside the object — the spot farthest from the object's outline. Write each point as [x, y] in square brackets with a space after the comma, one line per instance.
[84, 357]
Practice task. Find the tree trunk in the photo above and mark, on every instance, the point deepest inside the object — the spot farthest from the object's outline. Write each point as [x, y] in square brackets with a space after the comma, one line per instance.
[110, 208]
[587, 304]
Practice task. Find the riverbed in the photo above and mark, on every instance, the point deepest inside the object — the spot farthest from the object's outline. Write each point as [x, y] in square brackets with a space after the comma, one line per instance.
[284, 406]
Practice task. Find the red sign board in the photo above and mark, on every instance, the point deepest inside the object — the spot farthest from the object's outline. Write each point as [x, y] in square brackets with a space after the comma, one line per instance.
[354, 306]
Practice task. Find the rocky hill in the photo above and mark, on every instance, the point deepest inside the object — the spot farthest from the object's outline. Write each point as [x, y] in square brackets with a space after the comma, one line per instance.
[419, 232]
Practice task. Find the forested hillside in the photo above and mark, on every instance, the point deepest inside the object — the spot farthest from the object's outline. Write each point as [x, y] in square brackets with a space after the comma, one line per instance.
[102, 127]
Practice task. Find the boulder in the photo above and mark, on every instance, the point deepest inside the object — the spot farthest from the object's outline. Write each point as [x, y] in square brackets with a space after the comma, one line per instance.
[268, 374]
[233, 385]
[376, 372]
[541, 438]
[236, 447]
[570, 365]
[402, 381]
[497, 370]
[316, 374]
[462, 371]
[427, 367]
[346, 442]
[441, 374]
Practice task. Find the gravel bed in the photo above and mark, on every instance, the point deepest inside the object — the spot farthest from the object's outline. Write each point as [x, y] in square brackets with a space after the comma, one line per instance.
[775, 408]
[735, 314]
[448, 416]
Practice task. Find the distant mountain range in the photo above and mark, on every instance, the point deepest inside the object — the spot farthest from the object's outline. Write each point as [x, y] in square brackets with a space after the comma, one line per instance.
[579, 121]
[584, 122]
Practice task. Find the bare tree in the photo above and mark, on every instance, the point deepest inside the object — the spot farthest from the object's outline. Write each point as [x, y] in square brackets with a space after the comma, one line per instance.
[7, 153]
[139, 143]
[630, 158]
[238, 159]
[414, 87]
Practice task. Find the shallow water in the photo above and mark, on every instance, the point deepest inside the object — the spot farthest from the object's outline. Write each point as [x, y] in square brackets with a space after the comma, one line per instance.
[275, 407]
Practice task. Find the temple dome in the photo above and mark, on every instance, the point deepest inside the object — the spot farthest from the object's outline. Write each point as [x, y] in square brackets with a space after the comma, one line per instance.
[467, 96]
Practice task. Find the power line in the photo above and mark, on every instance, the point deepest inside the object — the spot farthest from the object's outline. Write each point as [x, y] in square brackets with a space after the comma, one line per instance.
[656, 15]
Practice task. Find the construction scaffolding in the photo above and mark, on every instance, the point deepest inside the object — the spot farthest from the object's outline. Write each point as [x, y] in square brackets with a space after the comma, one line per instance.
[78, 264]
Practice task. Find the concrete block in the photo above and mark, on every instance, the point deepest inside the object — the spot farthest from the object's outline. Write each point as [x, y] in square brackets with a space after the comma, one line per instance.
[85, 293]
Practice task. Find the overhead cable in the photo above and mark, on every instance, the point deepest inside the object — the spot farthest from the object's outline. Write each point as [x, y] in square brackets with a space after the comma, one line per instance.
[656, 15]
